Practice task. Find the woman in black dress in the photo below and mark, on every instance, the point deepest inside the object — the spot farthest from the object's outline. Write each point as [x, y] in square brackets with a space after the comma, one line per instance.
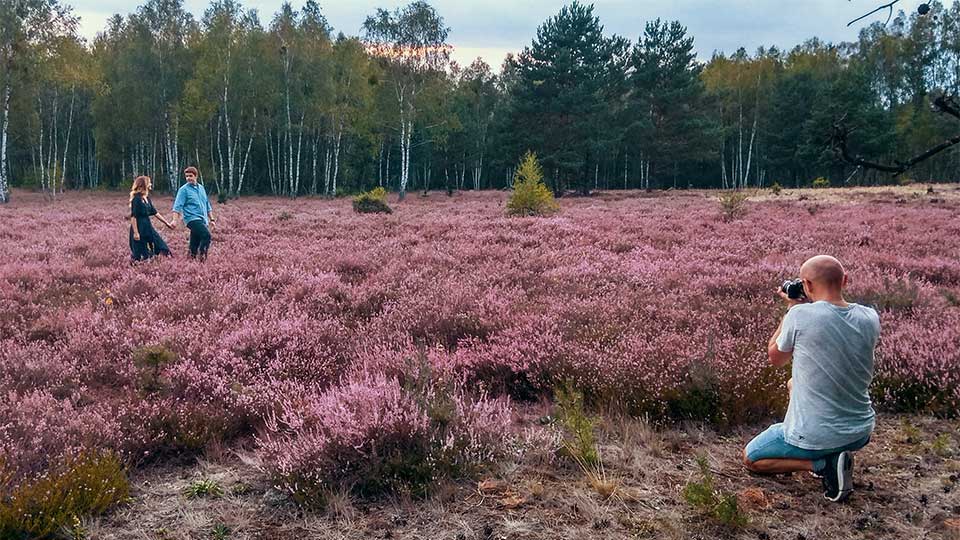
[145, 242]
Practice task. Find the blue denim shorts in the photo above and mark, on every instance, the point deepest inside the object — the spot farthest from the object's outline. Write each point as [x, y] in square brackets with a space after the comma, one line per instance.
[771, 445]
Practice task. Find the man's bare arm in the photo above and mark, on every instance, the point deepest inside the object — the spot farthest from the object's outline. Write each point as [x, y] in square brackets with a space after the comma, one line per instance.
[777, 357]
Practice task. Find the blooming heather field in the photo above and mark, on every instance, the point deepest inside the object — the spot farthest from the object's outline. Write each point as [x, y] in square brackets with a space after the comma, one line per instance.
[650, 303]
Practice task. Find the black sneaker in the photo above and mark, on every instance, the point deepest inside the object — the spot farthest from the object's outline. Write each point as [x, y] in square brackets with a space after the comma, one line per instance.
[838, 477]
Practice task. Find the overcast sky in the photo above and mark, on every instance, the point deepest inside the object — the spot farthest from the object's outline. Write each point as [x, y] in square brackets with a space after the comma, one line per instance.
[492, 28]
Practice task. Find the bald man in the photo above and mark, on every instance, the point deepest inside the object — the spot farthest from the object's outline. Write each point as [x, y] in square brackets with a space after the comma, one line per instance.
[831, 344]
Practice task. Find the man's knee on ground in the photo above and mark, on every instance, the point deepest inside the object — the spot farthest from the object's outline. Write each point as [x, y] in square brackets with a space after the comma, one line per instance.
[747, 463]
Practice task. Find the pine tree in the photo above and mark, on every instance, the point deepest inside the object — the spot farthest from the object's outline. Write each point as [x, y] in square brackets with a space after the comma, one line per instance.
[567, 82]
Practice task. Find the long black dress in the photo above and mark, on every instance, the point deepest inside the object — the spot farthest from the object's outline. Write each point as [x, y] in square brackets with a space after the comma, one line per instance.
[150, 243]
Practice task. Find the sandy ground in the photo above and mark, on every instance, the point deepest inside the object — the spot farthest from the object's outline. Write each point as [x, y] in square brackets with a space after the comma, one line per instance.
[906, 487]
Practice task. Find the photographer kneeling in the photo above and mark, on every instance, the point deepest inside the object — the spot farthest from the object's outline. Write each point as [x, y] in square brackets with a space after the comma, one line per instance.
[830, 414]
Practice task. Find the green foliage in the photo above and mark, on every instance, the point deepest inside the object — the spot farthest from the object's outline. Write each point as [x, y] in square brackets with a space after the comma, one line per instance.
[566, 93]
[203, 488]
[530, 197]
[821, 182]
[372, 202]
[220, 532]
[704, 495]
[666, 104]
[82, 486]
[942, 446]
[150, 361]
[776, 188]
[579, 440]
[733, 204]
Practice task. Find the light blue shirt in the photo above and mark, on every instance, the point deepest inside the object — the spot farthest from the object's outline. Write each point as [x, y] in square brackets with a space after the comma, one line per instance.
[192, 203]
[832, 369]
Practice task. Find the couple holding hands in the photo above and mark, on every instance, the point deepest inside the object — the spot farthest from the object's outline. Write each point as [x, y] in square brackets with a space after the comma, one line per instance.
[191, 206]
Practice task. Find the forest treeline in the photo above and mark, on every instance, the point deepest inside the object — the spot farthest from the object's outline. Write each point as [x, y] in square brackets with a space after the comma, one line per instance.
[287, 106]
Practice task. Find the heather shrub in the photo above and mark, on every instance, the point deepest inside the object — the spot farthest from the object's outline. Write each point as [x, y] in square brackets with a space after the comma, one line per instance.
[733, 205]
[530, 196]
[89, 484]
[699, 398]
[372, 202]
[894, 295]
[821, 182]
[513, 307]
[374, 436]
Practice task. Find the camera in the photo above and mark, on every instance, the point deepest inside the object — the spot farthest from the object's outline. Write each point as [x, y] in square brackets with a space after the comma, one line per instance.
[793, 288]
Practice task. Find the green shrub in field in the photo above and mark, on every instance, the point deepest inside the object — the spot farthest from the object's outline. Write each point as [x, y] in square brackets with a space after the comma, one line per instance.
[579, 440]
[82, 486]
[150, 361]
[704, 495]
[733, 204]
[776, 188]
[372, 202]
[821, 182]
[204, 487]
[530, 197]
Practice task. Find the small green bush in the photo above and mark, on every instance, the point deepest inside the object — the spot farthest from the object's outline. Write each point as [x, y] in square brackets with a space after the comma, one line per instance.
[530, 197]
[83, 486]
[150, 361]
[776, 188]
[579, 439]
[203, 488]
[712, 501]
[821, 182]
[372, 202]
[941, 446]
[733, 205]
[220, 532]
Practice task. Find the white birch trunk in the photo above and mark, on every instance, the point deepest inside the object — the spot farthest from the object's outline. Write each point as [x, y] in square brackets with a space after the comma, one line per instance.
[66, 142]
[336, 157]
[4, 127]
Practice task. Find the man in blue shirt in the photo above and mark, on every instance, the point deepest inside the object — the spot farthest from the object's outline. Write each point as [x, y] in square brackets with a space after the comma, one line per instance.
[193, 207]
[831, 343]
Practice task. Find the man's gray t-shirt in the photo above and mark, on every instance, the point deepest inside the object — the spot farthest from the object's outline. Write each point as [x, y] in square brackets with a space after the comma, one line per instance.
[832, 368]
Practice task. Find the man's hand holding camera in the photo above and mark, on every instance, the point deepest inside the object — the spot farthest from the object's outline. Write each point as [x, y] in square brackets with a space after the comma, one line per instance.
[793, 292]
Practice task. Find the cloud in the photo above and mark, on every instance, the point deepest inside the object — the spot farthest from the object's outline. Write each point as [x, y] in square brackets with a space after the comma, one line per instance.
[493, 28]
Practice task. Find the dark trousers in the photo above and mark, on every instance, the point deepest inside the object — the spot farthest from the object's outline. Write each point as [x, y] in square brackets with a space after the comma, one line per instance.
[199, 238]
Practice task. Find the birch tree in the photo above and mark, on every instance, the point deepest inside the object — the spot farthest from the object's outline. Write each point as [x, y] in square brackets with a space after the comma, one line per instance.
[29, 29]
[412, 45]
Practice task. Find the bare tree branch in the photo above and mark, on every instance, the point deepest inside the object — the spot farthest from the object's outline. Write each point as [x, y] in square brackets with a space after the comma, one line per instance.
[946, 104]
[885, 6]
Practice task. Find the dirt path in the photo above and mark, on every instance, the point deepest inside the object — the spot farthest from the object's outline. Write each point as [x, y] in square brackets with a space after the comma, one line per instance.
[907, 487]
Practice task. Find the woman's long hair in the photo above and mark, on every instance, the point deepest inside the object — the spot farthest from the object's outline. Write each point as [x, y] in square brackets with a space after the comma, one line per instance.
[139, 186]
